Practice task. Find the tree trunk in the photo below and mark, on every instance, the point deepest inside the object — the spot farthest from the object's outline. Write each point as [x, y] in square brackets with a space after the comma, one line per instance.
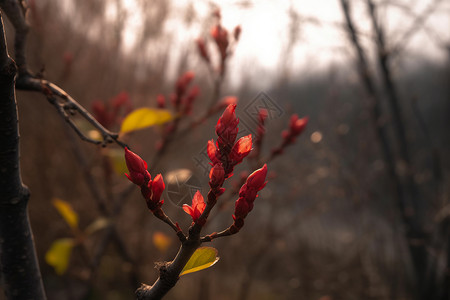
[18, 262]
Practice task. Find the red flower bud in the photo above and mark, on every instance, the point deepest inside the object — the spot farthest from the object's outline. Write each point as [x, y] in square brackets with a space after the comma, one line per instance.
[220, 36]
[228, 116]
[262, 115]
[213, 154]
[137, 168]
[189, 100]
[161, 101]
[158, 187]
[215, 32]
[183, 81]
[248, 192]
[297, 125]
[256, 180]
[197, 208]
[202, 49]
[241, 208]
[241, 149]
[226, 128]
[216, 176]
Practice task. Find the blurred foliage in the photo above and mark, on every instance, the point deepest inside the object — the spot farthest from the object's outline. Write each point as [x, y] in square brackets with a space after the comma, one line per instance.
[143, 118]
[327, 225]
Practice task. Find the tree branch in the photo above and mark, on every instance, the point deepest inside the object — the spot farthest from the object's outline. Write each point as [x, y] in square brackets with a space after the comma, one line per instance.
[18, 262]
[419, 23]
[15, 13]
[67, 106]
[170, 272]
[63, 102]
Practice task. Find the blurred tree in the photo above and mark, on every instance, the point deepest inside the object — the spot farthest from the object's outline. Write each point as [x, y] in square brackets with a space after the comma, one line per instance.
[411, 202]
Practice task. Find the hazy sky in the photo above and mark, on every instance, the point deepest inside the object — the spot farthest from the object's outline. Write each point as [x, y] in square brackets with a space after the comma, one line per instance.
[321, 40]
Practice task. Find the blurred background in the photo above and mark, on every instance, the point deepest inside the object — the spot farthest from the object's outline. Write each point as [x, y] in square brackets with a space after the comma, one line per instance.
[358, 208]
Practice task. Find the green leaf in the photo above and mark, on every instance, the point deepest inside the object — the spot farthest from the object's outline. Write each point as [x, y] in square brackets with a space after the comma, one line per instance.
[145, 117]
[97, 225]
[203, 258]
[67, 212]
[58, 256]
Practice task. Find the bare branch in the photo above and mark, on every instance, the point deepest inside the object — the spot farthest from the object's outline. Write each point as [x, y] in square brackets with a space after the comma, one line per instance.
[67, 106]
[215, 235]
[19, 268]
[25, 81]
[159, 213]
[417, 25]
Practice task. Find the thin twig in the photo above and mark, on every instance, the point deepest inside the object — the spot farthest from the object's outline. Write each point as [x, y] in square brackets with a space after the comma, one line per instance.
[418, 24]
[25, 81]
[159, 213]
[215, 235]
[64, 103]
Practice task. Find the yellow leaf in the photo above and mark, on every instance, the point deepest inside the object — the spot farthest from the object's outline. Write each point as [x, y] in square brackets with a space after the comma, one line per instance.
[203, 257]
[145, 117]
[58, 256]
[67, 212]
[161, 241]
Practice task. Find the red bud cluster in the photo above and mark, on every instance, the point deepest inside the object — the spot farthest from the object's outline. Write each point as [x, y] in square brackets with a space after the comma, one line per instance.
[109, 113]
[183, 81]
[137, 168]
[151, 189]
[220, 36]
[247, 195]
[262, 116]
[296, 127]
[181, 87]
[190, 98]
[225, 150]
[225, 43]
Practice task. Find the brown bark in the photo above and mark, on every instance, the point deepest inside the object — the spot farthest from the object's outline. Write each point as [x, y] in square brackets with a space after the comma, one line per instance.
[18, 262]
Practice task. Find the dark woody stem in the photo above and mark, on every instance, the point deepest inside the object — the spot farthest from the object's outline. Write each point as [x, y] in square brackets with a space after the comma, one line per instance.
[227, 232]
[159, 213]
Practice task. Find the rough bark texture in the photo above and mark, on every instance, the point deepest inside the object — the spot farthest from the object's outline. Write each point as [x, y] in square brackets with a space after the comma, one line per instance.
[169, 273]
[19, 268]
